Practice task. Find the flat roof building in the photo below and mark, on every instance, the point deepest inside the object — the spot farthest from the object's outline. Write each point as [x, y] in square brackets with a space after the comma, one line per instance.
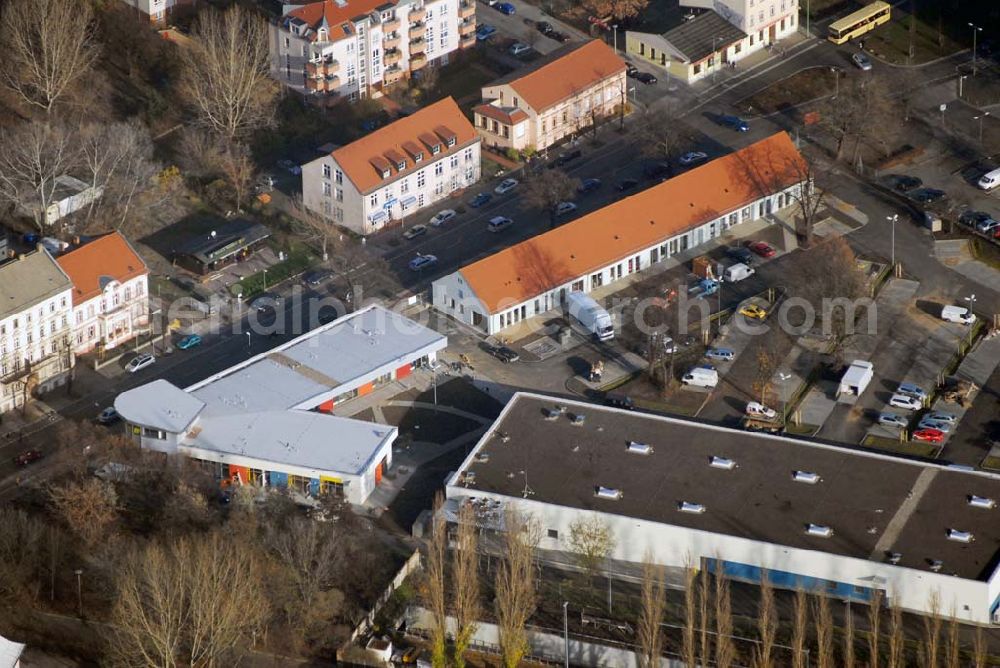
[267, 420]
[833, 520]
[232, 241]
[625, 237]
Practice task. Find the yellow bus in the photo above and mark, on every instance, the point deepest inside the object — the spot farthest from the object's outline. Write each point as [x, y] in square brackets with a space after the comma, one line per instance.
[860, 22]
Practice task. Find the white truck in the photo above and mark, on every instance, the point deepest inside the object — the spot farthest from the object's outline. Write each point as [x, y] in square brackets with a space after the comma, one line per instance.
[737, 272]
[701, 376]
[958, 314]
[591, 315]
[856, 379]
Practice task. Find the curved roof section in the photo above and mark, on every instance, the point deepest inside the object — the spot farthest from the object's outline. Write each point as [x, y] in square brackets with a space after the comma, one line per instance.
[159, 405]
[546, 261]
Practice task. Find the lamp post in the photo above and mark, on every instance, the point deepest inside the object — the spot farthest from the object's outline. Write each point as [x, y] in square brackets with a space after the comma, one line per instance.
[79, 591]
[980, 119]
[893, 218]
[566, 632]
[975, 30]
[782, 377]
[248, 341]
[961, 79]
[614, 29]
[265, 279]
[807, 18]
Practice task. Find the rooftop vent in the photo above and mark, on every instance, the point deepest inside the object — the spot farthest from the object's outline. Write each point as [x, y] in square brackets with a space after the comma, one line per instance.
[960, 536]
[981, 502]
[894, 558]
[722, 463]
[551, 413]
[609, 493]
[483, 457]
[578, 418]
[806, 477]
[469, 478]
[640, 448]
[688, 507]
[936, 565]
[819, 530]
[562, 408]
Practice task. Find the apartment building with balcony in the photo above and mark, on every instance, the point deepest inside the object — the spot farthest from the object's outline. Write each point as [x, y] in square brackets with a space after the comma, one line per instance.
[158, 12]
[36, 352]
[351, 49]
[395, 171]
[110, 293]
[562, 95]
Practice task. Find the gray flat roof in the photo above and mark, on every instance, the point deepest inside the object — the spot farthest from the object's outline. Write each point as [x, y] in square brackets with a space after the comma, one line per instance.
[29, 280]
[701, 36]
[161, 405]
[858, 495]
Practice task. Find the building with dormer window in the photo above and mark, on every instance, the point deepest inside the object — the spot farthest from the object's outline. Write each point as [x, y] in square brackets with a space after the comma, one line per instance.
[396, 170]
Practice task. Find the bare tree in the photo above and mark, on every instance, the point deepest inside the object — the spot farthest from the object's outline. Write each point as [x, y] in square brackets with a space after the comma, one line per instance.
[690, 643]
[118, 161]
[616, 9]
[848, 653]
[89, 508]
[862, 113]
[979, 656]
[197, 601]
[953, 647]
[800, 628]
[767, 625]
[226, 77]
[823, 622]
[874, 631]
[661, 132]
[930, 648]
[654, 602]
[21, 543]
[515, 585]
[704, 602]
[592, 542]
[35, 155]
[48, 47]
[468, 608]
[239, 169]
[435, 584]
[547, 190]
[725, 651]
[897, 639]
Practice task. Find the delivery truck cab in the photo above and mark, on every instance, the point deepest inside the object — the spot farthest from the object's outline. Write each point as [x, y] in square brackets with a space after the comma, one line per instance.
[701, 377]
[590, 315]
[958, 314]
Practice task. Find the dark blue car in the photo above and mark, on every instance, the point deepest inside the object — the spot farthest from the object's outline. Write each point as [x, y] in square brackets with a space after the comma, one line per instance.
[735, 122]
[506, 8]
[589, 186]
[480, 199]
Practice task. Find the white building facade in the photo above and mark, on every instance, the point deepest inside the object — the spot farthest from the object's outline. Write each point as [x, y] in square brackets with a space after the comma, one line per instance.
[764, 21]
[350, 49]
[395, 171]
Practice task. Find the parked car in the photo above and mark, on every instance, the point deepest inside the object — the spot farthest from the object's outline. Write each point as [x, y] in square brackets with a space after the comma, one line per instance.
[189, 341]
[626, 185]
[480, 199]
[758, 410]
[761, 248]
[506, 8]
[904, 182]
[559, 36]
[892, 420]
[565, 208]
[619, 401]
[415, 231]
[974, 218]
[316, 278]
[421, 262]
[942, 417]
[505, 186]
[740, 254]
[987, 226]
[692, 158]
[27, 457]
[722, 354]
[928, 435]
[484, 32]
[631, 70]
[517, 48]
[734, 122]
[753, 311]
[926, 195]
[645, 77]
[442, 217]
[108, 416]
[140, 362]
[499, 223]
[927, 423]
[861, 61]
[566, 158]
[267, 301]
[503, 353]
[904, 401]
[912, 390]
[588, 186]
[290, 167]
[544, 27]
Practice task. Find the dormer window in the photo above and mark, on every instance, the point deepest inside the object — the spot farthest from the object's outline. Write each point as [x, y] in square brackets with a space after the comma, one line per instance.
[401, 165]
[435, 149]
[418, 157]
[451, 141]
[385, 173]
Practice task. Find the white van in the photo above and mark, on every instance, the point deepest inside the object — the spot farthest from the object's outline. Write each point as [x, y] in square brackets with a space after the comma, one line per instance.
[737, 272]
[958, 314]
[701, 377]
[990, 180]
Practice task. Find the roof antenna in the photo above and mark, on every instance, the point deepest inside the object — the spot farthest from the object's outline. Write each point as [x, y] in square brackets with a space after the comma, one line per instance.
[527, 488]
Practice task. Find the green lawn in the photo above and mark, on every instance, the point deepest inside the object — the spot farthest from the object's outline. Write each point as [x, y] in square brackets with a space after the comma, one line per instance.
[297, 261]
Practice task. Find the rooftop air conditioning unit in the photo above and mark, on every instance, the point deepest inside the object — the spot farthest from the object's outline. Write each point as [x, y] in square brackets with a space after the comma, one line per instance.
[722, 463]
[609, 493]
[936, 565]
[960, 536]
[640, 448]
[807, 477]
[578, 419]
[552, 414]
[894, 558]
[688, 507]
[981, 502]
[819, 530]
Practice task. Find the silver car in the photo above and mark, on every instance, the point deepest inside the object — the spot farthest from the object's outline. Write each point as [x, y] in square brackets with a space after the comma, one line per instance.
[140, 362]
[892, 420]
[927, 423]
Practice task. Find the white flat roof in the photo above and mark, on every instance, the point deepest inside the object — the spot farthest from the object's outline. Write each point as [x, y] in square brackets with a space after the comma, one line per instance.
[10, 652]
[160, 405]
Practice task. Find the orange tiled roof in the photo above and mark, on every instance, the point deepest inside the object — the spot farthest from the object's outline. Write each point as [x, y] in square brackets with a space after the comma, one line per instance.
[498, 114]
[628, 226]
[336, 15]
[408, 136]
[110, 256]
[567, 76]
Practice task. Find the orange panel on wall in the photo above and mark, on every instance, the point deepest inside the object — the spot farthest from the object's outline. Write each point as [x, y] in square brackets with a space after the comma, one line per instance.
[242, 471]
[404, 371]
[325, 407]
[366, 389]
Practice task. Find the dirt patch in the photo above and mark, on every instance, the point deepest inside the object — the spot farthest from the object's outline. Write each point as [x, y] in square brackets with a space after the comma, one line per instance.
[786, 94]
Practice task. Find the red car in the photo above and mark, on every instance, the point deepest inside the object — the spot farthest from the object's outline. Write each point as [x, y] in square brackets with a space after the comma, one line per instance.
[929, 435]
[761, 248]
[27, 457]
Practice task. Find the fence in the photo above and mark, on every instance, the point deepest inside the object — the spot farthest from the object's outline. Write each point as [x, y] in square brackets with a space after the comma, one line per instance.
[365, 625]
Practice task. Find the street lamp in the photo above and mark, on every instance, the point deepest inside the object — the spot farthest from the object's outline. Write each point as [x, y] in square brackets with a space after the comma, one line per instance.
[79, 590]
[893, 218]
[975, 30]
[265, 279]
[980, 119]
[248, 341]
[782, 377]
[614, 28]
[961, 79]
[836, 79]
[566, 631]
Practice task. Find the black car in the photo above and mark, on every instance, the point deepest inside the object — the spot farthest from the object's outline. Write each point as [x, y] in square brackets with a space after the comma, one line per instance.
[566, 158]
[544, 27]
[646, 78]
[504, 354]
[626, 184]
[657, 169]
[973, 218]
[740, 254]
[926, 195]
[480, 199]
[631, 70]
[558, 36]
[589, 186]
[619, 401]
[315, 278]
[904, 182]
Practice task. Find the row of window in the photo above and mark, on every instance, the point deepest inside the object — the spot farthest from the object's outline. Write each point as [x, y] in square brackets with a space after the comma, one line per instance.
[13, 363]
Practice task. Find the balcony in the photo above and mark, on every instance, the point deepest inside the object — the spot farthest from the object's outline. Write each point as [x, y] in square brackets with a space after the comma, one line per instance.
[391, 25]
[466, 27]
[331, 83]
[392, 75]
[418, 14]
[418, 46]
[321, 68]
[392, 57]
[390, 41]
[466, 9]
[467, 40]
[418, 30]
[418, 61]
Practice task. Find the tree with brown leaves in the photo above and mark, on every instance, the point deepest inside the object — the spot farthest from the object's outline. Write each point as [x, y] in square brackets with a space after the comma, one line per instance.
[88, 508]
[516, 585]
[689, 641]
[619, 10]
[930, 648]
[654, 602]
[225, 73]
[239, 169]
[725, 651]
[468, 608]
[704, 603]
[767, 625]
[47, 48]
[874, 629]
[661, 132]
[848, 653]
[34, 155]
[800, 629]
[897, 639]
[592, 541]
[953, 647]
[823, 622]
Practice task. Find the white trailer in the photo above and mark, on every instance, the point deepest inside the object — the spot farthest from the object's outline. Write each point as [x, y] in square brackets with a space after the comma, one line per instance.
[591, 315]
[856, 379]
